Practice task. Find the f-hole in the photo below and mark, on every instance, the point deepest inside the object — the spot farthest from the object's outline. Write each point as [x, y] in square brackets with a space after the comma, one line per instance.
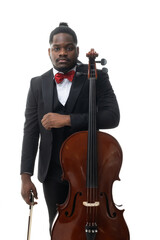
[73, 205]
[113, 215]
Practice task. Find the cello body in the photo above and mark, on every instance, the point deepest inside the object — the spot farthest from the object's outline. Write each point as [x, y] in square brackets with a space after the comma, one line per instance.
[70, 224]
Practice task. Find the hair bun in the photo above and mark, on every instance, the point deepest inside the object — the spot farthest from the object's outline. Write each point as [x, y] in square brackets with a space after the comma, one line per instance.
[63, 24]
[63, 28]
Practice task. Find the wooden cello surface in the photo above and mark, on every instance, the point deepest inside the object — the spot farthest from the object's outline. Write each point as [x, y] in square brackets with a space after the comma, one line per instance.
[71, 222]
[91, 161]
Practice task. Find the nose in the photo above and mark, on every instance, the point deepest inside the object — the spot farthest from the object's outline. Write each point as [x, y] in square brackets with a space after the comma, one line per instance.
[63, 52]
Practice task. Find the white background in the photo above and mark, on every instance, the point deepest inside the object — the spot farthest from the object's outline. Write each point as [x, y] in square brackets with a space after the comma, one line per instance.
[126, 33]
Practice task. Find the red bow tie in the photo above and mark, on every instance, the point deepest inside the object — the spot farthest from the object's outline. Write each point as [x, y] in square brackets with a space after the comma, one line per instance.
[59, 77]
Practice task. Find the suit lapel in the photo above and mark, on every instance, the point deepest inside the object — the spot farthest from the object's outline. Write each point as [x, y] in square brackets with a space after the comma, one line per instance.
[47, 91]
[77, 85]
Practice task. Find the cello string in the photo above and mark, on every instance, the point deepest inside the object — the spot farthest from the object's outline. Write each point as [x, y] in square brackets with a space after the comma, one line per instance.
[91, 150]
[93, 144]
[93, 159]
[92, 155]
[94, 147]
[93, 141]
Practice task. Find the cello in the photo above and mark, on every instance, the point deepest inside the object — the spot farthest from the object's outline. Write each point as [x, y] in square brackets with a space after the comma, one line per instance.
[91, 161]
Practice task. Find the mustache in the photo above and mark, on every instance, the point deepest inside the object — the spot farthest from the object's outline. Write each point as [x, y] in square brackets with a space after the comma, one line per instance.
[66, 59]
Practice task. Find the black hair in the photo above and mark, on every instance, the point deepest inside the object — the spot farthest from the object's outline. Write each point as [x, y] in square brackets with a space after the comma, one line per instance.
[63, 28]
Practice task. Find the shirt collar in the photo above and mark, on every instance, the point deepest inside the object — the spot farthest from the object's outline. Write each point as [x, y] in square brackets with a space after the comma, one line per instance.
[56, 71]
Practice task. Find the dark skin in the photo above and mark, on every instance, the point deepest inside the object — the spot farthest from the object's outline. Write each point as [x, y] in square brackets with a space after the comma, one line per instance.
[63, 53]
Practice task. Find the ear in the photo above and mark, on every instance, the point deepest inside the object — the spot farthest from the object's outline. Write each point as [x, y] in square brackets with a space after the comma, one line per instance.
[49, 52]
[77, 51]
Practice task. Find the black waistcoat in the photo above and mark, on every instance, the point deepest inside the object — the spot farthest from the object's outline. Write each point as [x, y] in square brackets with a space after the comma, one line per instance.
[59, 135]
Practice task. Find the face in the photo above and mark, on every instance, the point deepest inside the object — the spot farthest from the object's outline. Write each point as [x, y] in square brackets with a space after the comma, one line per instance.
[63, 52]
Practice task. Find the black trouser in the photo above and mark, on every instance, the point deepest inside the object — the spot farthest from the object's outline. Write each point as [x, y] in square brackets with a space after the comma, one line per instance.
[55, 193]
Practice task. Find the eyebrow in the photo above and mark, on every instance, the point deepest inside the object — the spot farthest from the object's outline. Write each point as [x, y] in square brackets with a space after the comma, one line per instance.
[56, 44]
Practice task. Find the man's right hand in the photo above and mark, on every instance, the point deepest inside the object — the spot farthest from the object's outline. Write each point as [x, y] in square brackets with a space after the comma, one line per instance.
[27, 186]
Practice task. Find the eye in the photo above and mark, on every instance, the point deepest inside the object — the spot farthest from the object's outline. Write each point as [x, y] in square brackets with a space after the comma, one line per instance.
[70, 48]
[56, 49]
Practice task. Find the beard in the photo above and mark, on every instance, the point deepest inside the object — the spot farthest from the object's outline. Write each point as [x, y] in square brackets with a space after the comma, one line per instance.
[65, 67]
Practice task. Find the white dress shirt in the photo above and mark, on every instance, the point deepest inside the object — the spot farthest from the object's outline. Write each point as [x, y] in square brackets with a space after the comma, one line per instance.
[63, 88]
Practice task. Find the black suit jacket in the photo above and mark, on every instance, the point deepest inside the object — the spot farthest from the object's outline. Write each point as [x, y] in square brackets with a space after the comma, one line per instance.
[40, 101]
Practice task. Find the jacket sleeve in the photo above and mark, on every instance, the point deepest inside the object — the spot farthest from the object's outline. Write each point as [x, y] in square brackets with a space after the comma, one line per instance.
[108, 115]
[31, 134]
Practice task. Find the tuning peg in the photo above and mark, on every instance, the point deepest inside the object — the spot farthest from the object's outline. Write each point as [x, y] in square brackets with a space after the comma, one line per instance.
[104, 70]
[102, 62]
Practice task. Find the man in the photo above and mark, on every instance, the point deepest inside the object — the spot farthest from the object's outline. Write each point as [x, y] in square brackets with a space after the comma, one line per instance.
[57, 108]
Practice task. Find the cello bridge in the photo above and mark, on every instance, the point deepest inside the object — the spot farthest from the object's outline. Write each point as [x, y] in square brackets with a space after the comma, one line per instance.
[87, 204]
